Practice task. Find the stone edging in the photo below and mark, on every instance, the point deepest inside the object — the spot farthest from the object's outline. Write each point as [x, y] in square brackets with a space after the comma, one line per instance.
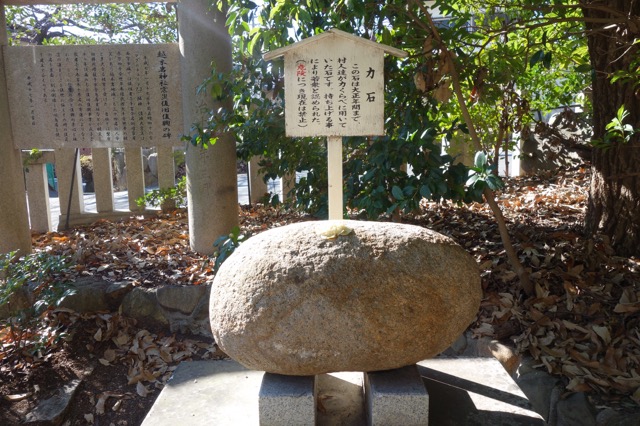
[183, 309]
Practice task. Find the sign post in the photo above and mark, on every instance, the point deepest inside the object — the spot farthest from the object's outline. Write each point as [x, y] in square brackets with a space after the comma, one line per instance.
[334, 172]
[334, 87]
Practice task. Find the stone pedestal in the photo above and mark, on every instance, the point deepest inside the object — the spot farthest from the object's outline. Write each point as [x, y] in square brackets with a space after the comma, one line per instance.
[471, 391]
[256, 181]
[166, 172]
[135, 176]
[37, 187]
[66, 162]
[103, 182]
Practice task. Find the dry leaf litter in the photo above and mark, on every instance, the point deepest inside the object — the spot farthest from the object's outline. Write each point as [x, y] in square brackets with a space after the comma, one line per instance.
[581, 324]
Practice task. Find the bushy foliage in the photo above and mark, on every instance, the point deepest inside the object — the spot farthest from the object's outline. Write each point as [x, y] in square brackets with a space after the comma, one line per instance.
[30, 286]
[166, 198]
[225, 245]
[92, 23]
[420, 110]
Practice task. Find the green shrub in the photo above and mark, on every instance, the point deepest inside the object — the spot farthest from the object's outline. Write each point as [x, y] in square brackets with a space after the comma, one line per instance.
[225, 245]
[166, 198]
[29, 287]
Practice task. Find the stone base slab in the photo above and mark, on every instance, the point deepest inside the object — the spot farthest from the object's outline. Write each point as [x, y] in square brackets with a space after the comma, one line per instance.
[463, 391]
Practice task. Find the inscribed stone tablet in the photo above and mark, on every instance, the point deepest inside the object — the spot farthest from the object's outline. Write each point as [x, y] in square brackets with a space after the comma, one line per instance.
[94, 96]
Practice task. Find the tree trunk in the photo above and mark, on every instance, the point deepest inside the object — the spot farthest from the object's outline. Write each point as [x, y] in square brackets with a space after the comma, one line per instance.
[614, 199]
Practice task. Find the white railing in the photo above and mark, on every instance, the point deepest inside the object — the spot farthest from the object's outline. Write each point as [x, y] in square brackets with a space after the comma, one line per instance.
[65, 160]
[250, 190]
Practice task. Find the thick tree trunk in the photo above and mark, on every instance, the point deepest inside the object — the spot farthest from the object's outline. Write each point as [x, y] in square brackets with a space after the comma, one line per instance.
[614, 201]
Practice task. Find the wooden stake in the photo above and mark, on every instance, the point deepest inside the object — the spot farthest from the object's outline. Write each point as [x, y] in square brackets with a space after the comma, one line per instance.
[334, 157]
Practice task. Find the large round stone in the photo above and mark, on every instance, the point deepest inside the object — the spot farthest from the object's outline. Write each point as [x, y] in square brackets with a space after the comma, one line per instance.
[291, 301]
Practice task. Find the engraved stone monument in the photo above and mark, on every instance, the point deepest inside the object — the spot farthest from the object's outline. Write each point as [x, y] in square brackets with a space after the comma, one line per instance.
[100, 96]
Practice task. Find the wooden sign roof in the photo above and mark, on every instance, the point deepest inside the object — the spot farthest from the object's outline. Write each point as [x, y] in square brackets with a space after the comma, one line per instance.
[334, 33]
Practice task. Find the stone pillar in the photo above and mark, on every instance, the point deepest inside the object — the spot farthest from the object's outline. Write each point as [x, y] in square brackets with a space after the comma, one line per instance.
[212, 187]
[256, 181]
[14, 219]
[38, 196]
[166, 172]
[461, 148]
[64, 169]
[166, 167]
[135, 176]
[102, 179]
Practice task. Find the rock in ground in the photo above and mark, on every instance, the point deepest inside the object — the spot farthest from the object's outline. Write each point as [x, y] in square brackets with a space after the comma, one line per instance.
[290, 301]
[51, 411]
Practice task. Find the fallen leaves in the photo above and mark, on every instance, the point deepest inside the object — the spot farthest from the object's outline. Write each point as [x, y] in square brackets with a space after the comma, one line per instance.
[148, 251]
[582, 323]
[150, 358]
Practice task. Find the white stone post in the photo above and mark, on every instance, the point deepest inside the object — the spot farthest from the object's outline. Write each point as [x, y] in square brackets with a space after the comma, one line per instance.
[212, 187]
[38, 196]
[14, 220]
[334, 159]
[166, 172]
[256, 181]
[135, 176]
[102, 179]
[64, 170]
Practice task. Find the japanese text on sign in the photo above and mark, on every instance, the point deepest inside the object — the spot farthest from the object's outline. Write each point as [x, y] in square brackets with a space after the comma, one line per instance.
[334, 91]
[94, 96]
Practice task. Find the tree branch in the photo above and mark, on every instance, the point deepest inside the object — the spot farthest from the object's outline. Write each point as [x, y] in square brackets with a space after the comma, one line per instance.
[489, 195]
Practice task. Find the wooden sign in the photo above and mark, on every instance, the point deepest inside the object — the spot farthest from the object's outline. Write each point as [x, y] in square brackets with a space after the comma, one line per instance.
[334, 87]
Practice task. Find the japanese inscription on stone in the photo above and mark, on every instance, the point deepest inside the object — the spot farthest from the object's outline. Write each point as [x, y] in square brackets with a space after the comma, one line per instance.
[94, 96]
[335, 90]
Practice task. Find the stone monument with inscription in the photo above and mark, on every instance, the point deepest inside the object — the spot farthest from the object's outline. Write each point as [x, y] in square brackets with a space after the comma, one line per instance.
[102, 96]
[64, 97]
[14, 222]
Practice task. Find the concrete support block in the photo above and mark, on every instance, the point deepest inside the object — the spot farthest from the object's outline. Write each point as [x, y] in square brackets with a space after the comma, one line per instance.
[256, 181]
[166, 167]
[135, 176]
[287, 400]
[396, 397]
[38, 195]
[102, 179]
[65, 165]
